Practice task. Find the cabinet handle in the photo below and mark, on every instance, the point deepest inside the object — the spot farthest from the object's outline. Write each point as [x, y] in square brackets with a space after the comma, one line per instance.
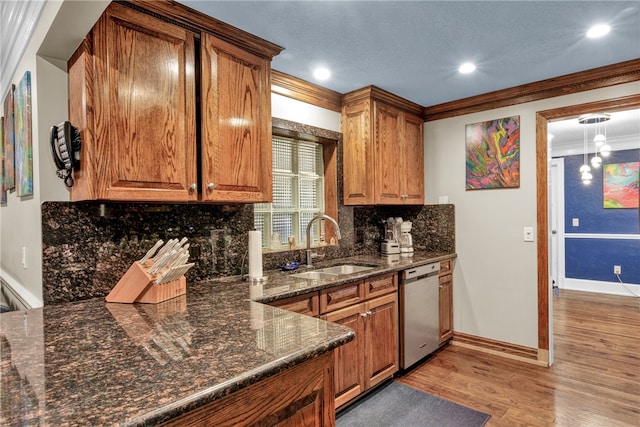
[366, 313]
[193, 187]
[211, 186]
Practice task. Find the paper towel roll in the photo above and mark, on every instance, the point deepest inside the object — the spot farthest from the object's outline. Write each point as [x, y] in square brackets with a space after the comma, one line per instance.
[255, 254]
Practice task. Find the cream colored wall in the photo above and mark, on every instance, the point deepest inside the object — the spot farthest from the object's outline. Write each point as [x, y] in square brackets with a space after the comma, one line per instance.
[20, 223]
[60, 27]
[301, 112]
[495, 278]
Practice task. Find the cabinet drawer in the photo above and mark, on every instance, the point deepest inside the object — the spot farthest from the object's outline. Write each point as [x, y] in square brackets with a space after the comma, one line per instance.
[341, 296]
[445, 267]
[380, 285]
[447, 278]
[303, 304]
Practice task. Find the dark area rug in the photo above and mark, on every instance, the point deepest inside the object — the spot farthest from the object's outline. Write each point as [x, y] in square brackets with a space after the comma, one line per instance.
[398, 405]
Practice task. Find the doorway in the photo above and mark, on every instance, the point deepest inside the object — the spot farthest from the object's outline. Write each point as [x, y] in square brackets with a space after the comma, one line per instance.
[545, 312]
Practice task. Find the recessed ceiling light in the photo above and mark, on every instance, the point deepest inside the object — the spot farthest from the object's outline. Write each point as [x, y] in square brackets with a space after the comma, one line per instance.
[467, 68]
[598, 31]
[321, 73]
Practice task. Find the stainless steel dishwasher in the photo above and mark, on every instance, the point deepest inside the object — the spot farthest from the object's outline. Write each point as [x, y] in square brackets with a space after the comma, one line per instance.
[419, 313]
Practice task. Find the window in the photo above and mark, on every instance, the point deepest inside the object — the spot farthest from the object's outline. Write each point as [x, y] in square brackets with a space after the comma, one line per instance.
[298, 194]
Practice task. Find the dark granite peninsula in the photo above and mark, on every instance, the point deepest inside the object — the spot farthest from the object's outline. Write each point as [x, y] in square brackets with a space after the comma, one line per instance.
[97, 363]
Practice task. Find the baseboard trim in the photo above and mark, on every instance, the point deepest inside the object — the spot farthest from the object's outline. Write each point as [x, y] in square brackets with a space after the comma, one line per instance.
[500, 348]
[19, 297]
[613, 288]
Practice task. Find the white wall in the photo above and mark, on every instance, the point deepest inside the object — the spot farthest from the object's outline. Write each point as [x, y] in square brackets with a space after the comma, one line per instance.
[301, 112]
[495, 279]
[58, 32]
[20, 218]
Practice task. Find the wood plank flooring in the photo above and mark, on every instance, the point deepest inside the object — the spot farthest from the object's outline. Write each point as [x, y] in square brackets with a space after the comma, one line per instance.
[594, 382]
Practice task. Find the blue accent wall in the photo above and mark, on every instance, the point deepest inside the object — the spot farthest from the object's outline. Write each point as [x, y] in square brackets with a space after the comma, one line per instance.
[593, 259]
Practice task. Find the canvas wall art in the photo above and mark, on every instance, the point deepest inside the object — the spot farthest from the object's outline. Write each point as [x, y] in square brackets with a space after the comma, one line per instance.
[22, 126]
[493, 154]
[9, 140]
[620, 182]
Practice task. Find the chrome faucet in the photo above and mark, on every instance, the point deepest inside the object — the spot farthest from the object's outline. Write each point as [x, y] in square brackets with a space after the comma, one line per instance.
[317, 217]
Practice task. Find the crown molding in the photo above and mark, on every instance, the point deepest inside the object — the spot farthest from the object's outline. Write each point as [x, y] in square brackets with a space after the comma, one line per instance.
[301, 90]
[596, 78]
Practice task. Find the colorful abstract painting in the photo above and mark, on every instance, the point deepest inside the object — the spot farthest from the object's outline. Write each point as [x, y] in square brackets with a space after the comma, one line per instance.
[22, 126]
[9, 140]
[493, 154]
[620, 185]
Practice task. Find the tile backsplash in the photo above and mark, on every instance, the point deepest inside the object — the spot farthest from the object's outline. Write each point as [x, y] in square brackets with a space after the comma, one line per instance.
[88, 246]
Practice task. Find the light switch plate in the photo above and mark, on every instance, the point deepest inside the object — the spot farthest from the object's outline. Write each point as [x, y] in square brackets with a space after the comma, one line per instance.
[576, 222]
[528, 234]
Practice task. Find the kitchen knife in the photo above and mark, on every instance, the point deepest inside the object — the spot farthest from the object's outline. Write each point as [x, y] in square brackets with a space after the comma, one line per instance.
[166, 248]
[173, 273]
[151, 251]
[164, 261]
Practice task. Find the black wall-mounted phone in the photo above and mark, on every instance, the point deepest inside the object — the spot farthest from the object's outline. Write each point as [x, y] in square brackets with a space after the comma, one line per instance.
[65, 147]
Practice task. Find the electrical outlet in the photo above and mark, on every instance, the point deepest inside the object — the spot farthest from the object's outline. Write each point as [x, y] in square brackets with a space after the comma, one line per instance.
[575, 222]
[617, 269]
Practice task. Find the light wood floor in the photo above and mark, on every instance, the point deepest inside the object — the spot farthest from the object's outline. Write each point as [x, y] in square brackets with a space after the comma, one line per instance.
[594, 382]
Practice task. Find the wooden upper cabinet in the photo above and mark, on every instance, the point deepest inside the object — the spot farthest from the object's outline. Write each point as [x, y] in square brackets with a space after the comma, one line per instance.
[383, 149]
[358, 155]
[166, 108]
[412, 182]
[139, 85]
[236, 123]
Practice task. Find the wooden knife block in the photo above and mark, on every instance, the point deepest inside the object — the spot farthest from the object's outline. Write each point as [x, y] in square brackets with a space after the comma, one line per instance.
[138, 286]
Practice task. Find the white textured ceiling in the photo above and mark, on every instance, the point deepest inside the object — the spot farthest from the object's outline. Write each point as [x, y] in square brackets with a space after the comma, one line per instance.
[413, 48]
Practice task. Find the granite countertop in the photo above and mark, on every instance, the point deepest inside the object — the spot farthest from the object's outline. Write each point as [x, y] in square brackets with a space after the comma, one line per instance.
[283, 284]
[98, 363]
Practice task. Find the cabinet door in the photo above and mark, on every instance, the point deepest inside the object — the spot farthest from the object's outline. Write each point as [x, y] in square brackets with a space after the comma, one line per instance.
[412, 189]
[307, 304]
[380, 339]
[348, 368]
[235, 123]
[145, 108]
[301, 396]
[358, 154]
[388, 170]
[446, 307]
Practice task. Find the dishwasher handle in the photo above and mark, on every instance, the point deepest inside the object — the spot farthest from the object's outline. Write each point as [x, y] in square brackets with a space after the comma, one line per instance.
[415, 279]
[420, 272]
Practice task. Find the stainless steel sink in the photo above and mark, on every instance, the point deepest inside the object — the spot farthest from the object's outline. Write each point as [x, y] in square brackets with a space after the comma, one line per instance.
[313, 275]
[328, 272]
[344, 269]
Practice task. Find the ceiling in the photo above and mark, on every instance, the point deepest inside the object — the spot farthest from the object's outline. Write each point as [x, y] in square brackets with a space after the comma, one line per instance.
[414, 48]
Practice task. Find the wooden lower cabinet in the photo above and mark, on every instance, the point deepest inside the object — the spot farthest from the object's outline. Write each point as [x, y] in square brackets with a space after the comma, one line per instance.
[372, 356]
[302, 396]
[381, 339]
[349, 361]
[446, 301]
[307, 304]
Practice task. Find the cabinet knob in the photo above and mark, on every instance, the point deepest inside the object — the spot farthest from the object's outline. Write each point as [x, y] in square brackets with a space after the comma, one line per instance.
[193, 187]
[211, 186]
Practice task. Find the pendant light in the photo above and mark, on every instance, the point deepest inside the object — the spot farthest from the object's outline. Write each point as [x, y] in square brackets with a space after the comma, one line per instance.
[600, 142]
